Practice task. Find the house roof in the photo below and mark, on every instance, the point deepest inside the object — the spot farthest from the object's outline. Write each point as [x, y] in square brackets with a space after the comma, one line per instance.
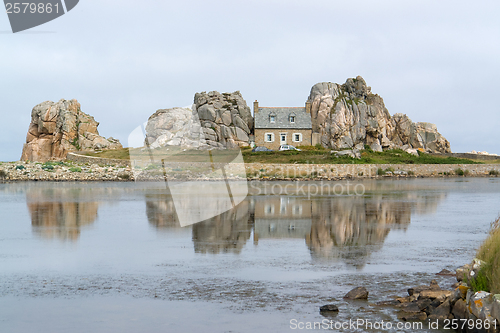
[302, 118]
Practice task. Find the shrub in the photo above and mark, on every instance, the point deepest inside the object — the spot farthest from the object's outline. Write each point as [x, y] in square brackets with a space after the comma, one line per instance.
[411, 173]
[459, 172]
[75, 169]
[3, 173]
[20, 167]
[380, 172]
[480, 282]
[490, 253]
[48, 167]
[494, 173]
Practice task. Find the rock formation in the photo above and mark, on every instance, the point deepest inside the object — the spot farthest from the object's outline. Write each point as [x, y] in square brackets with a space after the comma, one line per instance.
[174, 127]
[216, 120]
[226, 119]
[59, 128]
[351, 116]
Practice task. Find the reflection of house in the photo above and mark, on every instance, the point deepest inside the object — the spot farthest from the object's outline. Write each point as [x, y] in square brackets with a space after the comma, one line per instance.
[275, 126]
[282, 217]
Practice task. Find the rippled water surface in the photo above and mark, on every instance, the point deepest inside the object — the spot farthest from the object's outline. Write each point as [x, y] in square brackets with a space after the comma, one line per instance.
[112, 257]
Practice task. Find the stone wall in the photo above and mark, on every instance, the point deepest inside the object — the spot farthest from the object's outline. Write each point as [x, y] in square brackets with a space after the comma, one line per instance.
[260, 137]
[77, 157]
[362, 170]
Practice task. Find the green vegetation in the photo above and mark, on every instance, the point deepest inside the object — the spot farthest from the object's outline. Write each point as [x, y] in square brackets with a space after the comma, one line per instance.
[3, 174]
[313, 155]
[480, 282]
[460, 172]
[489, 252]
[75, 169]
[75, 143]
[494, 173]
[309, 155]
[20, 167]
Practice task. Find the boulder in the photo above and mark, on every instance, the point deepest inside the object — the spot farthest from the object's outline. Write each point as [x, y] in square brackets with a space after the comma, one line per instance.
[177, 127]
[460, 310]
[350, 114]
[441, 312]
[357, 293]
[226, 111]
[329, 308]
[59, 128]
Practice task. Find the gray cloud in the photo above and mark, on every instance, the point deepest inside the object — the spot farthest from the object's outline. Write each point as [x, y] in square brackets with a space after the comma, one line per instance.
[123, 60]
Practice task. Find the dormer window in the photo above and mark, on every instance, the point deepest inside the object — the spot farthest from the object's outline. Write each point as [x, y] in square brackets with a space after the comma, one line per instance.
[272, 118]
[292, 118]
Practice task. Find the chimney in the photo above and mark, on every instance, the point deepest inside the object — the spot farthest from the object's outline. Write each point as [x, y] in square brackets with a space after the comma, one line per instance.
[255, 107]
[308, 107]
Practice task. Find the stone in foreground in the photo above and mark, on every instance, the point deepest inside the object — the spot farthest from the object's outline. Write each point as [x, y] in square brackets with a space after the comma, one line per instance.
[329, 308]
[357, 293]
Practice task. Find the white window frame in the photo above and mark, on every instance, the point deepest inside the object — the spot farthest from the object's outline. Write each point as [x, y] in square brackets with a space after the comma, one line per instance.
[283, 142]
[300, 137]
[292, 119]
[272, 118]
[266, 135]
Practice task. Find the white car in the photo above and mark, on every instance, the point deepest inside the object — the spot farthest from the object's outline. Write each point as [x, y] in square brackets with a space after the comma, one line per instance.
[288, 147]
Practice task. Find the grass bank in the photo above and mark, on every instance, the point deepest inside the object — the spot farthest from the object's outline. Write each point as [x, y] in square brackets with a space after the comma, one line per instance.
[308, 155]
[488, 278]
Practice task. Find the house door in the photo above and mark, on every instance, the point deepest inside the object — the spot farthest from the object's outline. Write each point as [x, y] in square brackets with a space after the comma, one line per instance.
[283, 138]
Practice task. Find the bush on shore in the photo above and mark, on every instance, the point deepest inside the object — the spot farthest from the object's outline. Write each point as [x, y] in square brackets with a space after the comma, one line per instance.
[490, 253]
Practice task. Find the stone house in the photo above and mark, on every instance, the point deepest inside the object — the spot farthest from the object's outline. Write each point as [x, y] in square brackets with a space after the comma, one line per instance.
[275, 126]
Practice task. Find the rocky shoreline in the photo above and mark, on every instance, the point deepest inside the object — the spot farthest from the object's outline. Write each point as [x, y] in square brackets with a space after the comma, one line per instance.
[457, 308]
[112, 171]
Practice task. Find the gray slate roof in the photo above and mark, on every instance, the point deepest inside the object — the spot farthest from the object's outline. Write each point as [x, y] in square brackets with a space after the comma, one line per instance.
[302, 118]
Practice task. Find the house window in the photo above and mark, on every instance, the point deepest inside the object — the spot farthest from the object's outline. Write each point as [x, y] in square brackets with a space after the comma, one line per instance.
[272, 118]
[297, 137]
[292, 119]
[269, 137]
[283, 138]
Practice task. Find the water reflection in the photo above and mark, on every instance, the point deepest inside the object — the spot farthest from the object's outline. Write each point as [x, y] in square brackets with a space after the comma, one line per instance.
[348, 228]
[160, 211]
[225, 233]
[60, 212]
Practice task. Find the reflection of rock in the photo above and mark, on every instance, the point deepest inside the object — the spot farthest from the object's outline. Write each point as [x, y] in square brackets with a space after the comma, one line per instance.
[347, 228]
[161, 212]
[58, 213]
[227, 232]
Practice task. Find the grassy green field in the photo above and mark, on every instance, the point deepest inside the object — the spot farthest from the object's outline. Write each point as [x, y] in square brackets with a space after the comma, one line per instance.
[309, 154]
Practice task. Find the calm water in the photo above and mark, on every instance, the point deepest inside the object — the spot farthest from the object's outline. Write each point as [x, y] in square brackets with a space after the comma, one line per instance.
[111, 257]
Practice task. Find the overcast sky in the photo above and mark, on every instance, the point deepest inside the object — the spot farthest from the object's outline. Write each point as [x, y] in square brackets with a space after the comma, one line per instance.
[437, 61]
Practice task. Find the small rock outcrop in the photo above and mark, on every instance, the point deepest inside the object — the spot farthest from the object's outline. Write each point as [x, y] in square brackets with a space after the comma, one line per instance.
[351, 116]
[357, 293]
[329, 308]
[226, 118]
[59, 128]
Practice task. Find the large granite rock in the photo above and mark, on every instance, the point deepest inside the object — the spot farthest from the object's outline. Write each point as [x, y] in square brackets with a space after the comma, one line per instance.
[351, 116]
[174, 127]
[59, 128]
[227, 116]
